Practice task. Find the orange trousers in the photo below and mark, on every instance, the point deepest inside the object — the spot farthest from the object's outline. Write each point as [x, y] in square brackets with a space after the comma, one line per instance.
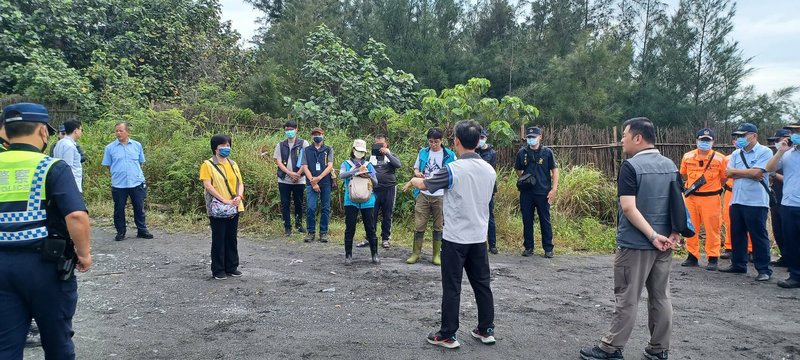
[726, 216]
[704, 210]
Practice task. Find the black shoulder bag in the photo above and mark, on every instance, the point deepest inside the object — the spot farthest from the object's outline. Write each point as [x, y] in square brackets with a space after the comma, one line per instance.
[772, 200]
[701, 180]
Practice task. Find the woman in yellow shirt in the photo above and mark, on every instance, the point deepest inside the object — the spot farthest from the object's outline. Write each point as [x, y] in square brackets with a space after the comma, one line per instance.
[220, 176]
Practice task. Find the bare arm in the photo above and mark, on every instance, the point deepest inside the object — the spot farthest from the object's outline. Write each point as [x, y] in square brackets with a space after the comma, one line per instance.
[772, 164]
[416, 182]
[78, 227]
[211, 190]
[754, 173]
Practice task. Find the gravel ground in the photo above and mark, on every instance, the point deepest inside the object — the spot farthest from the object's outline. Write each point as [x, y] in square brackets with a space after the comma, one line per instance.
[155, 299]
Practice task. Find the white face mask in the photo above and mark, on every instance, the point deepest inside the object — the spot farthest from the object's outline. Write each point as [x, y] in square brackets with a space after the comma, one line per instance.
[359, 154]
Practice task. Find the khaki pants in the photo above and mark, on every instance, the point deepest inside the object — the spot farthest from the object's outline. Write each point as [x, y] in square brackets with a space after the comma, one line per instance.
[633, 270]
[425, 207]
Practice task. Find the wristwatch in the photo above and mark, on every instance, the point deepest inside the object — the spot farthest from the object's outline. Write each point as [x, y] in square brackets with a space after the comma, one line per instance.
[653, 237]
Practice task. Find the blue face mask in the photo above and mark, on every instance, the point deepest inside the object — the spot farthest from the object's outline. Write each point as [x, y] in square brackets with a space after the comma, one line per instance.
[290, 133]
[317, 139]
[481, 143]
[533, 141]
[704, 145]
[795, 138]
[225, 152]
[741, 142]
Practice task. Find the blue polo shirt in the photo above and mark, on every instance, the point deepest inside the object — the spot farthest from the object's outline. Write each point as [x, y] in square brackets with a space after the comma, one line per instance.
[790, 164]
[125, 162]
[748, 191]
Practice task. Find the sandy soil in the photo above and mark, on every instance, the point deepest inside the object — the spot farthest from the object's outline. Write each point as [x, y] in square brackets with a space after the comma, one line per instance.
[155, 299]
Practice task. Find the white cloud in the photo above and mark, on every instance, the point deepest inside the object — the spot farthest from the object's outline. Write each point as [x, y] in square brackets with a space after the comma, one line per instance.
[242, 16]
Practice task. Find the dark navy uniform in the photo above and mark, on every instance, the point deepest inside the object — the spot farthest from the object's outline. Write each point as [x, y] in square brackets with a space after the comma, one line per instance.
[29, 285]
[539, 163]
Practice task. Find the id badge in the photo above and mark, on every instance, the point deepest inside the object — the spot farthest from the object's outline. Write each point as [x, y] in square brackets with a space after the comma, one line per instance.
[318, 168]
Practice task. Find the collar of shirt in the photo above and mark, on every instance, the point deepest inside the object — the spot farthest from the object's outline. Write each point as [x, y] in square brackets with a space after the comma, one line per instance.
[645, 151]
[470, 155]
[24, 147]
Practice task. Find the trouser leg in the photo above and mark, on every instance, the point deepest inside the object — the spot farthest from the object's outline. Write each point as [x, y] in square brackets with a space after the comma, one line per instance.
[437, 210]
[218, 231]
[777, 226]
[791, 238]
[422, 212]
[712, 221]
[232, 245]
[693, 243]
[311, 209]
[350, 220]
[476, 266]
[297, 195]
[453, 256]
[491, 236]
[120, 196]
[630, 271]
[543, 210]
[387, 209]
[756, 219]
[659, 303]
[285, 190]
[138, 194]
[325, 208]
[739, 237]
[526, 205]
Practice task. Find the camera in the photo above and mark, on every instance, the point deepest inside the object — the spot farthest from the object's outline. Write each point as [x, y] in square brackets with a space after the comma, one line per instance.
[376, 149]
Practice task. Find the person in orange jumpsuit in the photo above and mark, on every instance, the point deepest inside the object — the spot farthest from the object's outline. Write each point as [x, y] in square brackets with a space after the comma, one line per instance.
[726, 212]
[703, 169]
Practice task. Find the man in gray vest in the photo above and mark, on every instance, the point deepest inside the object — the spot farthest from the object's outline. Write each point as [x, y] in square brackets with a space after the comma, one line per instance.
[645, 239]
[468, 183]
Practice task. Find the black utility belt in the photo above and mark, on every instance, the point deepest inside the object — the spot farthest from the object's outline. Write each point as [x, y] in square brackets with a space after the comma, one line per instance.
[727, 188]
[707, 193]
[52, 250]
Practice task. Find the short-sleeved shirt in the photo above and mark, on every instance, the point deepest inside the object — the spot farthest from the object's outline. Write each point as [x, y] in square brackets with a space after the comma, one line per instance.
[227, 169]
[61, 192]
[125, 162]
[539, 163]
[747, 191]
[627, 181]
[289, 165]
[790, 165]
[67, 149]
[694, 166]
[433, 165]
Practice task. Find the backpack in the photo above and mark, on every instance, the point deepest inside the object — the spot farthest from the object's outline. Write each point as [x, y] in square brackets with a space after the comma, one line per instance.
[358, 188]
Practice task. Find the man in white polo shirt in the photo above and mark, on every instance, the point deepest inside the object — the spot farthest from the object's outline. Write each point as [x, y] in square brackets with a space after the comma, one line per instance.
[468, 184]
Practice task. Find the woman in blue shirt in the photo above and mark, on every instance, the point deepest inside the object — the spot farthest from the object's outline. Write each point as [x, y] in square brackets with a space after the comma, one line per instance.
[357, 166]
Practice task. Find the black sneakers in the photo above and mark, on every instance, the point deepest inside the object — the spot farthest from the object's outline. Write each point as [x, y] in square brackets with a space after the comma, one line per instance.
[221, 276]
[486, 337]
[309, 237]
[119, 237]
[236, 273]
[664, 355]
[323, 238]
[548, 254]
[712, 263]
[691, 260]
[726, 255]
[527, 252]
[493, 249]
[789, 283]
[144, 235]
[437, 339]
[595, 353]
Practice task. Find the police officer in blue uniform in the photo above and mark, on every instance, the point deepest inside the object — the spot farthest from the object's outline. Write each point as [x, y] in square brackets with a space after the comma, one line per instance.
[44, 236]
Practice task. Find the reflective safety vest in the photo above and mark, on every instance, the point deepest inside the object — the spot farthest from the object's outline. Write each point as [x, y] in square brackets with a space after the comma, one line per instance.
[22, 184]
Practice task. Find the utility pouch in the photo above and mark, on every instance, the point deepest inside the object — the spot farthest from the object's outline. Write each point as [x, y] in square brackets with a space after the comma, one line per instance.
[53, 249]
[697, 184]
[65, 267]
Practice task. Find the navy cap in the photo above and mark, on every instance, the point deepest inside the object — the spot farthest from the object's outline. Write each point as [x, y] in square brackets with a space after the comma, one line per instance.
[779, 134]
[483, 133]
[705, 133]
[61, 128]
[745, 128]
[27, 112]
[795, 126]
[533, 131]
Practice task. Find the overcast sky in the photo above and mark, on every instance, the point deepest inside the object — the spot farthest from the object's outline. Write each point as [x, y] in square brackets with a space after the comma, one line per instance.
[767, 30]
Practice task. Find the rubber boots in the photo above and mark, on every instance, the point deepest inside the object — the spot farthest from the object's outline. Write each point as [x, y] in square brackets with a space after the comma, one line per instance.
[348, 252]
[437, 247]
[373, 249]
[418, 237]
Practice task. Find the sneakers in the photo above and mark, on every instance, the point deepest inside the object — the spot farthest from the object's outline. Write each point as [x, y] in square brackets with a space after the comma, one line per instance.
[763, 277]
[119, 237]
[493, 249]
[727, 254]
[144, 235]
[236, 273]
[712, 263]
[437, 339]
[323, 238]
[548, 254]
[789, 283]
[287, 232]
[309, 237]
[596, 353]
[300, 229]
[220, 276]
[486, 337]
[664, 355]
[348, 260]
[527, 252]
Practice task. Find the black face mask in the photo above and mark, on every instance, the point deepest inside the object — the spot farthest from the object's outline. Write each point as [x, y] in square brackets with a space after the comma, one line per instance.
[44, 147]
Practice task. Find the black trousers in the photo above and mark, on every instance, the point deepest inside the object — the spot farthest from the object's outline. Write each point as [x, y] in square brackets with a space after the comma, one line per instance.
[120, 195]
[288, 193]
[777, 225]
[472, 258]
[224, 248]
[384, 205]
[350, 220]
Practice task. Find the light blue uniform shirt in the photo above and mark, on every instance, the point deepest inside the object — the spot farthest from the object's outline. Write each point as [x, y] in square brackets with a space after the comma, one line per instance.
[67, 149]
[790, 163]
[124, 160]
[748, 191]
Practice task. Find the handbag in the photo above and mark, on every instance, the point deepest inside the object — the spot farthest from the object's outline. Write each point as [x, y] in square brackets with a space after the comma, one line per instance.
[772, 200]
[526, 182]
[218, 209]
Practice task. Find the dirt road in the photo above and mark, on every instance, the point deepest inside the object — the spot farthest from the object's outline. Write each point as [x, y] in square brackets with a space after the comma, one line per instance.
[155, 299]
